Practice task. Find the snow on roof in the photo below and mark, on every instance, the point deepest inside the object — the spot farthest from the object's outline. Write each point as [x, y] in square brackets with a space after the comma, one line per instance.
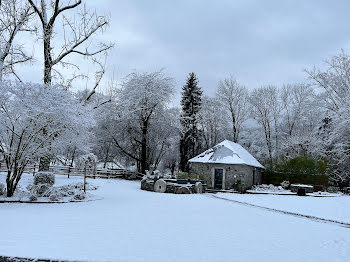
[227, 152]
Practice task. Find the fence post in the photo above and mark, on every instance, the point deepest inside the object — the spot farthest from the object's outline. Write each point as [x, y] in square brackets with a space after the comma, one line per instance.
[34, 170]
[85, 179]
[68, 171]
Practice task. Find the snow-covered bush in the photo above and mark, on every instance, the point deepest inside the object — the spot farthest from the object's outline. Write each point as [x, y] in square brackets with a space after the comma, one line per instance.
[44, 178]
[285, 184]
[74, 191]
[67, 190]
[79, 186]
[39, 190]
[33, 198]
[2, 189]
[270, 188]
[55, 197]
[79, 196]
[332, 189]
[155, 175]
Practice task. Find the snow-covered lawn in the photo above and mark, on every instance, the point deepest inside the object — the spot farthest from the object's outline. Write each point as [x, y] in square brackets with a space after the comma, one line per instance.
[133, 225]
[333, 208]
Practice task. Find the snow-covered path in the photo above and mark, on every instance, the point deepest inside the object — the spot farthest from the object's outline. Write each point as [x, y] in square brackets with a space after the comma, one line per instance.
[134, 225]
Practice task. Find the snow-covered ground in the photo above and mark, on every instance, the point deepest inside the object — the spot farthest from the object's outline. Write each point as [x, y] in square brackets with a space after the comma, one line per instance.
[335, 207]
[133, 225]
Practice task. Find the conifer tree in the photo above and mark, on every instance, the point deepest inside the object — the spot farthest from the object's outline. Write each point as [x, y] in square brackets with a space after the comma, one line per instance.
[190, 135]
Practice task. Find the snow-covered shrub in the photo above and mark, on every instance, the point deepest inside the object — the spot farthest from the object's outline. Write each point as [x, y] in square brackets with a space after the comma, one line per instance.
[2, 189]
[33, 198]
[39, 190]
[79, 186]
[269, 188]
[44, 178]
[285, 184]
[55, 197]
[79, 196]
[332, 189]
[67, 190]
[155, 175]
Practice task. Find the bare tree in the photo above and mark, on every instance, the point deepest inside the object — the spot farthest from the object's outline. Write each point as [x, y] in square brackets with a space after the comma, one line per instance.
[212, 121]
[296, 102]
[265, 104]
[234, 98]
[15, 16]
[335, 81]
[77, 33]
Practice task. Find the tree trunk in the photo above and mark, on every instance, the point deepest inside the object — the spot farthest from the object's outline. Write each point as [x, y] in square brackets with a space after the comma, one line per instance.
[11, 184]
[144, 165]
[9, 188]
[47, 55]
[44, 163]
[235, 135]
[72, 161]
[107, 154]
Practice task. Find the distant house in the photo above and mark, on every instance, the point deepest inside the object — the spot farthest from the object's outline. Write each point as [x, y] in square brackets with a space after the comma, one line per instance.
[227, 164]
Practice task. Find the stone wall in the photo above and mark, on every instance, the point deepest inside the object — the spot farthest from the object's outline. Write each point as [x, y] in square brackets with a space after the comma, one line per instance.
[232, 174]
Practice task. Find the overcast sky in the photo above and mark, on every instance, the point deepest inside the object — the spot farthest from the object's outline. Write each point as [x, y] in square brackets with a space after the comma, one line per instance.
[258, 42]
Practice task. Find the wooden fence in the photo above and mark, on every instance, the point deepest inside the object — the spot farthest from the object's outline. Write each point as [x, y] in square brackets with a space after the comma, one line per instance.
[72, 171]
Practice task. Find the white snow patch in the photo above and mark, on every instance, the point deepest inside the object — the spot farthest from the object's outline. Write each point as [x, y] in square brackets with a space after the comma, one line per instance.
[129, 224]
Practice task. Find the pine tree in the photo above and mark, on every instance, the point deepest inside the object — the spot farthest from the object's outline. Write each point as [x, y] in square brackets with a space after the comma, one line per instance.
[190, 135]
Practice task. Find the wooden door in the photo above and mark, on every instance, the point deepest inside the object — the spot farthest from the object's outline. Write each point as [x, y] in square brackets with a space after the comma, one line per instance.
[218, 177]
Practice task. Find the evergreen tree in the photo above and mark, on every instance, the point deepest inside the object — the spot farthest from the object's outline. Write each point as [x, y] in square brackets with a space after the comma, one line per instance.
[190, 135]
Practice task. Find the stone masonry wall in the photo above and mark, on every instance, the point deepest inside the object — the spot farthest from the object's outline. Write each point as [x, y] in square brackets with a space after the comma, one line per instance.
[232, 173]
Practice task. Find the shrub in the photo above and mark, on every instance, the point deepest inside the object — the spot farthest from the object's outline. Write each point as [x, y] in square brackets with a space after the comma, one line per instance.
[298, 170]
[184, 175]
[2, 189]
[79, 196]
[54, 197]
[44, 178]
[33, 198]
[40, 190]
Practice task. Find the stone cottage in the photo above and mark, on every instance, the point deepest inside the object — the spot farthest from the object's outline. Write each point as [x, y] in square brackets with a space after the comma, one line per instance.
[227, 165]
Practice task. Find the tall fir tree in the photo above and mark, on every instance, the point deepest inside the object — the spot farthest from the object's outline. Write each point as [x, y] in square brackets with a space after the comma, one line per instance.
[190, 136]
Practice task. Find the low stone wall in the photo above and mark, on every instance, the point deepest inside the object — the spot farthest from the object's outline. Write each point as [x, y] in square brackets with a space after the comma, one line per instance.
[308, 189]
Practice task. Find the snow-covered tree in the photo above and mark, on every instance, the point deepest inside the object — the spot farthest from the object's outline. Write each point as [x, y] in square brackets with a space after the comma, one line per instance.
[296, 102]
[35, 120]
[300, 117]
[265, 109]
[334, 81]
[233, 97]
[334, 131]
[190, 136]
[212, 121]
[15, 17]
[141, 101]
